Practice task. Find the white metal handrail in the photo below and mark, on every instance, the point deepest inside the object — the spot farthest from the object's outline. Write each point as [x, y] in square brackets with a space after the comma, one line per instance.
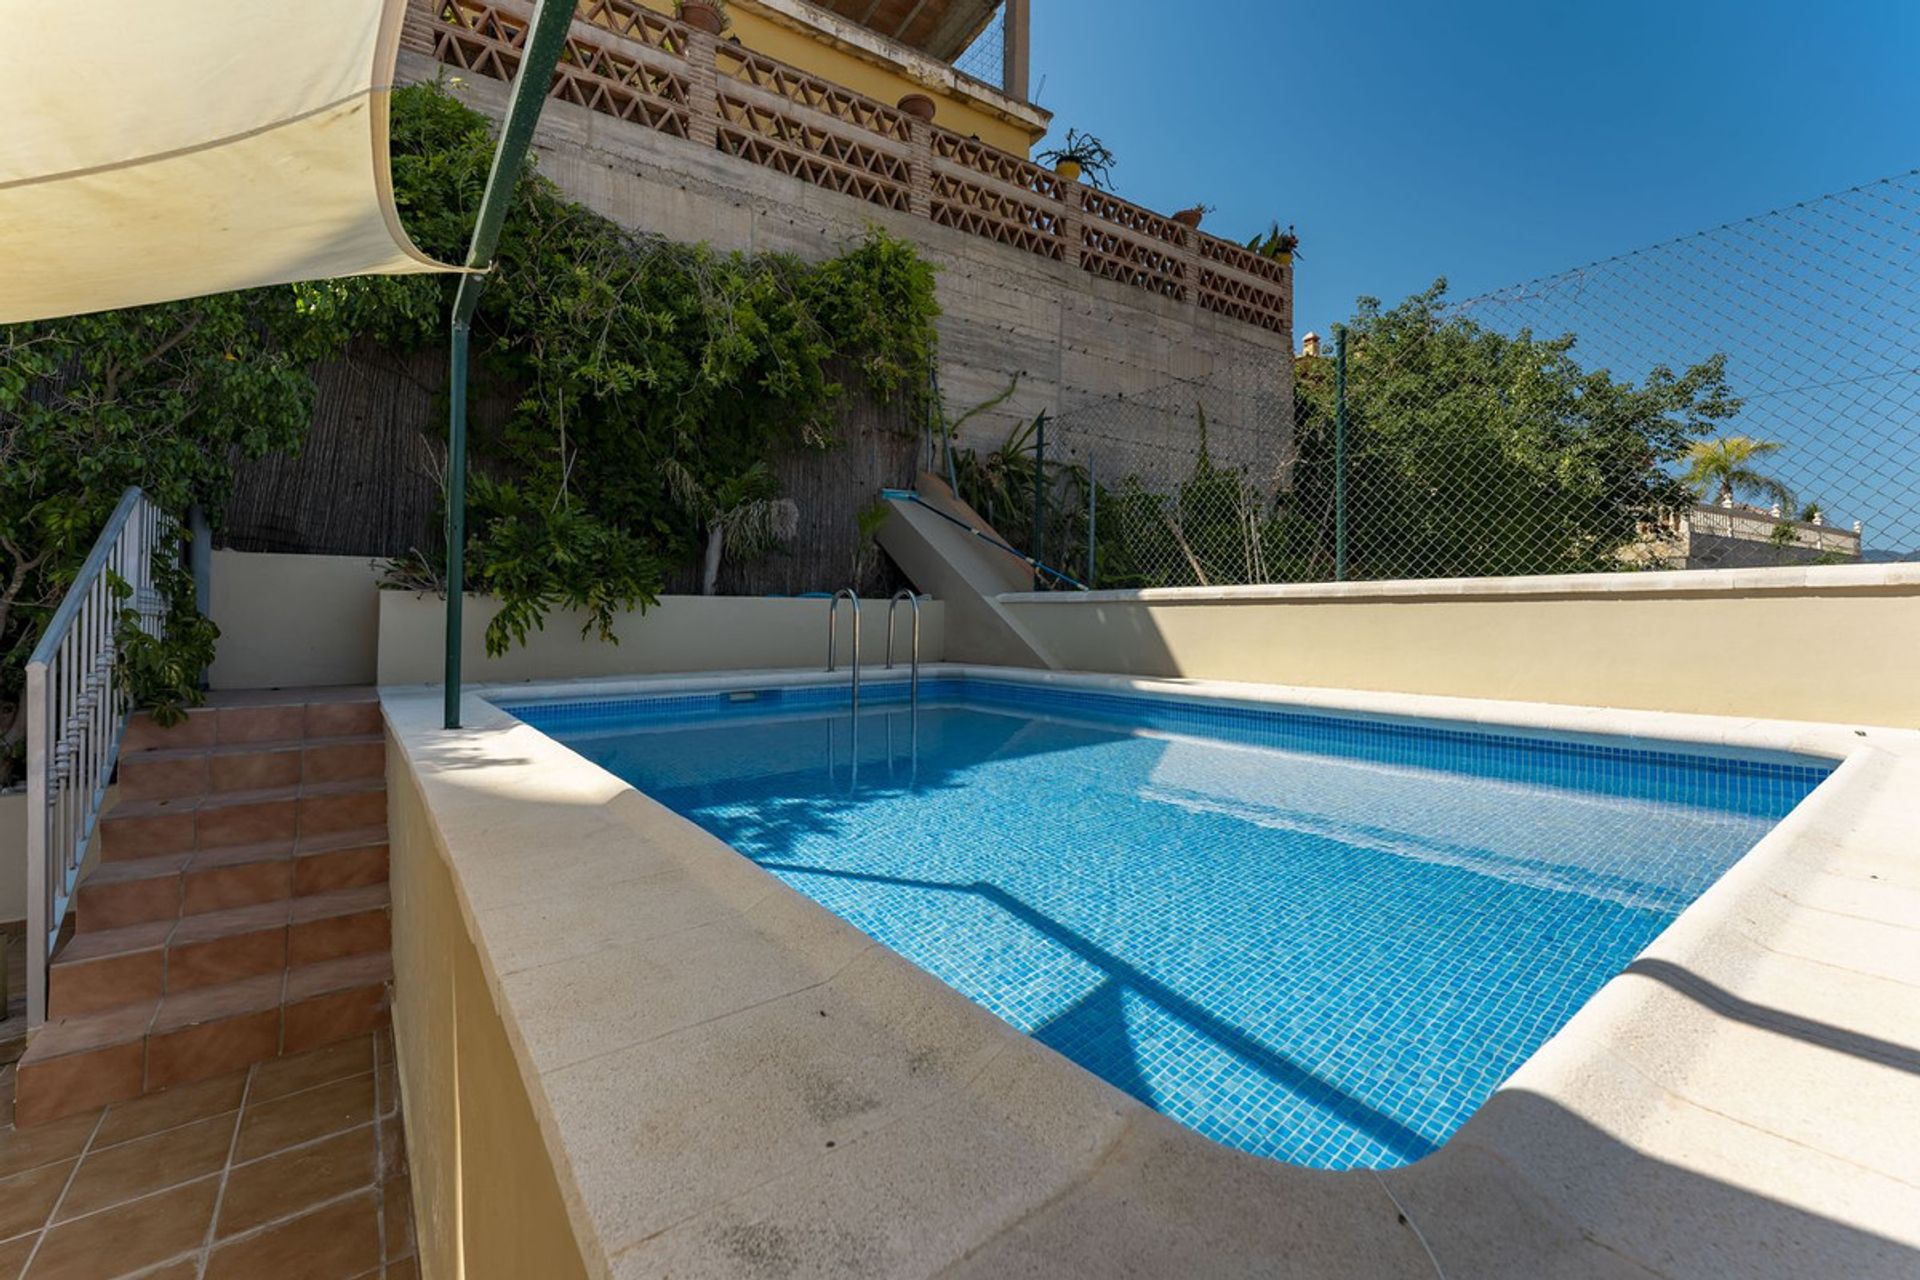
[76, 715]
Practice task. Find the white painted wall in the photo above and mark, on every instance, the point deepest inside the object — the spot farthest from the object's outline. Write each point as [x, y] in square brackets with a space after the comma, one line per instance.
[681, 633]
[292, 621]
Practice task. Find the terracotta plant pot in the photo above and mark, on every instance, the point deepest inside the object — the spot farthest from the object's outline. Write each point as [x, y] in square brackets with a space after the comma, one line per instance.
[919, 106]
[1190, 217]
[1068, 169]
[703, 17]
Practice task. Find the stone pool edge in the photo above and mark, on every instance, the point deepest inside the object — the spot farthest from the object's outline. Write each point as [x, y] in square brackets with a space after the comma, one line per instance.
[655, 990]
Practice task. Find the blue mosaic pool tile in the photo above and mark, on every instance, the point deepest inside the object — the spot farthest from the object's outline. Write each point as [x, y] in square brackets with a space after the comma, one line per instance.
[1323, 939]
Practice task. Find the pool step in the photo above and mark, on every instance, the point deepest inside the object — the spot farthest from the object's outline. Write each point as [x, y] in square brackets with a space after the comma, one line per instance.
[239, 909]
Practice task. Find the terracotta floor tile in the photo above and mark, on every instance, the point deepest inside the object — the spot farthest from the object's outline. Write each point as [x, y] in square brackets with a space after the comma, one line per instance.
[23, 1149]
[223, 960]
[91, 1031]
[334, 1243]
[261, 724]
[185, 1269]
[285, 1122]
[396, 1210]
[341, 1016]
[13, 1255]
[393, 1148]
[343, 719]
[292, 1182]
[94, 986]
[299, 1071]
[345, 869]
[146, 1165]
[386, 1090]
[79, 1082]
[209, 1004]
[169, 1109]
[27, 1198]
[125, 1238]
[212, 1049]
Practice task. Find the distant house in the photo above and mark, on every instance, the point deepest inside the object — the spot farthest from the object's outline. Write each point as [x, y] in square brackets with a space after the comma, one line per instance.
[1739, 536]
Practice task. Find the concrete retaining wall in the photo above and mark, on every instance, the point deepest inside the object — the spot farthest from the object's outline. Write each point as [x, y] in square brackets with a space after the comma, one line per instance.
[1831, 644]
[1073, 338]
[681, 633]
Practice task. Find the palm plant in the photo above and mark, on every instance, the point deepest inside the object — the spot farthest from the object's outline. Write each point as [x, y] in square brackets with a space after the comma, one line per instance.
[744, 514]
[1719, 470]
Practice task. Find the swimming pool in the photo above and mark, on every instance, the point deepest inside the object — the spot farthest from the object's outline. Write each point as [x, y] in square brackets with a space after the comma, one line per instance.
[1318, 938]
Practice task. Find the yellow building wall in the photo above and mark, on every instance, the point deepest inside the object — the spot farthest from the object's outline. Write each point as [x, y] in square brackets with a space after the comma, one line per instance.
[814, 55]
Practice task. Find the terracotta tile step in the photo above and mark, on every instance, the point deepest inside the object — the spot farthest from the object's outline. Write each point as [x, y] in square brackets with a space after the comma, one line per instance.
[138, 891]
[178, 772]
[78, 1063]
[273, 715]
[102, 970]
[152, 828]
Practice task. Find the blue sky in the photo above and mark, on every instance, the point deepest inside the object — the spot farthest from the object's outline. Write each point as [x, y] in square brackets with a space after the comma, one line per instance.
[1489, 141]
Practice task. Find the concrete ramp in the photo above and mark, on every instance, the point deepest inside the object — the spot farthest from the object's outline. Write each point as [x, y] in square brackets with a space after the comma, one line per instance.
[934, 542]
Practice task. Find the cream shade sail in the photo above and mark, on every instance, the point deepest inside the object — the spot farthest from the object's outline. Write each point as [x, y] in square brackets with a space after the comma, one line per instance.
[161, 149]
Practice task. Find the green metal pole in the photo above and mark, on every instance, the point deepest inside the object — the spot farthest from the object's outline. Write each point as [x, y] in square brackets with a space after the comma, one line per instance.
[1339, 453]
[1037, 547]
[530, 84]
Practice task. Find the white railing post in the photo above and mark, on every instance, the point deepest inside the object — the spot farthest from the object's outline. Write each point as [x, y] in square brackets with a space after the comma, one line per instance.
[39, 842]
[76, 715]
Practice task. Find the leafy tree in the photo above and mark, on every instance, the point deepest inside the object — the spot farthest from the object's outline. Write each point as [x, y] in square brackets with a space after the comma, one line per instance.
[164, 397]
[1721, 470]
[744, 514]
[1477, 453]
[620, 352]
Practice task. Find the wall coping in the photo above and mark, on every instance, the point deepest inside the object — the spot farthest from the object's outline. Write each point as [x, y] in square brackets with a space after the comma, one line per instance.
[1675, 582]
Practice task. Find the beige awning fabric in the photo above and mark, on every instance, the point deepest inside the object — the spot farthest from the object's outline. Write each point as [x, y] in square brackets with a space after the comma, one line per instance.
[161, 149]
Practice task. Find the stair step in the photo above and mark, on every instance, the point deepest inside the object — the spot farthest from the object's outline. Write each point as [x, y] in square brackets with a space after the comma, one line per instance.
[266, 716]
[117, 894]
[81, 1062]
[102, 970]
[148, 828]
[165, 773]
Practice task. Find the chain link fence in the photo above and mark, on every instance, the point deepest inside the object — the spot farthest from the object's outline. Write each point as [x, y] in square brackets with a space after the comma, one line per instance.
[1745, 396]
[985, 59]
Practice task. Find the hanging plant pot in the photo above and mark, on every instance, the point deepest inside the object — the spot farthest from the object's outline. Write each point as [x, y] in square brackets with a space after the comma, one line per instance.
[919, 106]
[702, 16]
[1068, 169]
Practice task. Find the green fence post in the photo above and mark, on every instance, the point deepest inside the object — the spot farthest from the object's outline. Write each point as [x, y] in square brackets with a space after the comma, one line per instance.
[1339, 453]
[1037, 544]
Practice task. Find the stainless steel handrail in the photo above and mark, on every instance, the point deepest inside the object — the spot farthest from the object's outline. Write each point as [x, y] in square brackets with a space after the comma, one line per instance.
[832, 635]
[913, 684]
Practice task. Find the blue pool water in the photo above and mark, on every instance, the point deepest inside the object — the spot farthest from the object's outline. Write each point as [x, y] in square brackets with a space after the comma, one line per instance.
[1319, 939]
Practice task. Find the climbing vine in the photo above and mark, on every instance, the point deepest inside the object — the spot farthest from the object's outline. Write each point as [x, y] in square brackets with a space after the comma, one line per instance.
[619, 352]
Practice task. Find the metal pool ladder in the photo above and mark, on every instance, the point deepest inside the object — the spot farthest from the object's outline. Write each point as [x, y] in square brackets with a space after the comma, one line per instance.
[913, 684]
[832, 634]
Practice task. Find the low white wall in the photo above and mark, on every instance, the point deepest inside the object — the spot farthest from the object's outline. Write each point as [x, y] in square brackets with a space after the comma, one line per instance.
[289, 621]
[13, 857]
[1821, 643]
[681, 633]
